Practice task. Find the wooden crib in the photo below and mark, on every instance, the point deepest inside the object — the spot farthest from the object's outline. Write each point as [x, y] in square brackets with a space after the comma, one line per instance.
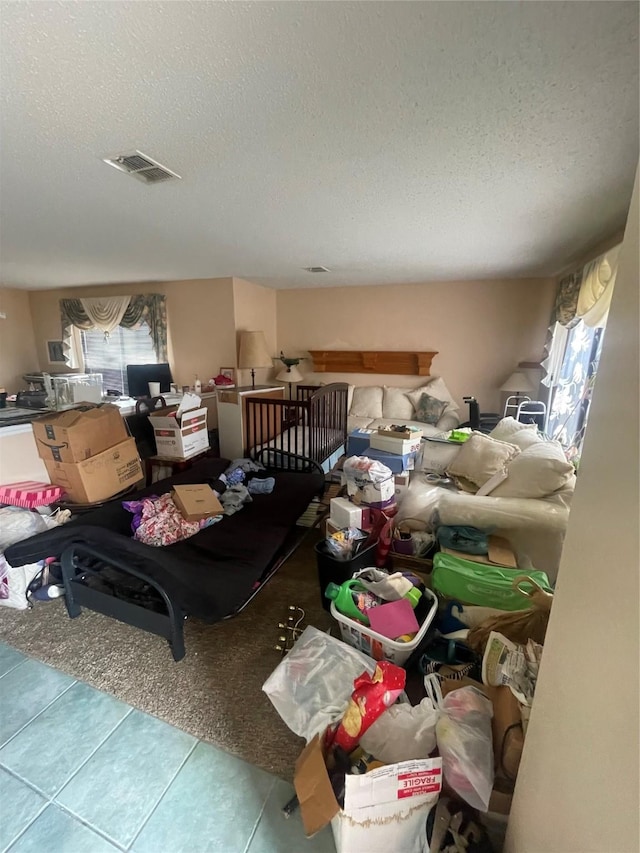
[294, 434]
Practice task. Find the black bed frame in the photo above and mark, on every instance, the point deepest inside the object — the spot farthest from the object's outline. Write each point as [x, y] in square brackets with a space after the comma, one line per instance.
[160, 615]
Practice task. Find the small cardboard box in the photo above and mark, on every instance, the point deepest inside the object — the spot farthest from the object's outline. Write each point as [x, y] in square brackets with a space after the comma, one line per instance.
[398, 446]
[78, 434]
[401, 482]
[406, 433]
[196, 501]
[180, 439]
[384, 810]
[100, 477]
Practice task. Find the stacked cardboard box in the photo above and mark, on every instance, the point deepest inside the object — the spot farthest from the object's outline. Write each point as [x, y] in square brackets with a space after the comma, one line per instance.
[88, 452]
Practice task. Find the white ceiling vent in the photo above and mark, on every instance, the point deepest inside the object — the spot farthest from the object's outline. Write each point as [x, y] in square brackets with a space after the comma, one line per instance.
[317, 269]
[141, 167]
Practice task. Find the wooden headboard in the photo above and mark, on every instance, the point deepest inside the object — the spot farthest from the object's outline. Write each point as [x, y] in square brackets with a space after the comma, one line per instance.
[354, 361]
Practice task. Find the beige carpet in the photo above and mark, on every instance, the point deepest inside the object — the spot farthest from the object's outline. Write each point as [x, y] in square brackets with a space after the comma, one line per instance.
[215, 692]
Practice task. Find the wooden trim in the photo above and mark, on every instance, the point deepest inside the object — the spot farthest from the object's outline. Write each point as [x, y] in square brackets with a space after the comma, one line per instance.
[353, 361]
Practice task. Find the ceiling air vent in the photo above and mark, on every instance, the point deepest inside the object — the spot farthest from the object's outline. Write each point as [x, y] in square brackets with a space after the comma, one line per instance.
[317, 269]
[141, 167]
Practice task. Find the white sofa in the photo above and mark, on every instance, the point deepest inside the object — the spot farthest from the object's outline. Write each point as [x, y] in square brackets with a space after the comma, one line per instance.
[371, 406]
[535, 526]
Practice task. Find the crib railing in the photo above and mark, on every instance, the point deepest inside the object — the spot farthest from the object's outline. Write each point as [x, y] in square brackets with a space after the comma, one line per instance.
[313, 426]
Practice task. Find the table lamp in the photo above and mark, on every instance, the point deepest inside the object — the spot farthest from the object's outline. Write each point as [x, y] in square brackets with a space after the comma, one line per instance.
[253, 353]
[292, 375]
[517, 384]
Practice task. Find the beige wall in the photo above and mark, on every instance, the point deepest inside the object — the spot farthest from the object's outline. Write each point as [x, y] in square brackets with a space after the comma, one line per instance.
[17, 342]
[255, 310]
[578, 788]
[199, 314]
[481, 329]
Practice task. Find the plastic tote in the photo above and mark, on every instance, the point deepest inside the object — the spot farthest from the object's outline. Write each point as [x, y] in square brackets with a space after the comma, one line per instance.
[477, 583]
[375, 645]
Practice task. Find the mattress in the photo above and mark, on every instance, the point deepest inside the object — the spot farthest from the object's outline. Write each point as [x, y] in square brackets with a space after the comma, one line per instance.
[209, 575]
[297, 440]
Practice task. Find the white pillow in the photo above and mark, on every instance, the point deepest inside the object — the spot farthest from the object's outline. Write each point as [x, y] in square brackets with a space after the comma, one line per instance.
[481, 457]
[538, 471]
[367, 401]
[436, 388]
[396, 404]
[511, 430]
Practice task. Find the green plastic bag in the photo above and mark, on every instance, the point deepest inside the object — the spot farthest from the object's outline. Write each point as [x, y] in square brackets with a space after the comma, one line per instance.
[476, 583]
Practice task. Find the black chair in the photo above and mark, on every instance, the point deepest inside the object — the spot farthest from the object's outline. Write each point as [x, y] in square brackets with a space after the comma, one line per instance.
[141, 428]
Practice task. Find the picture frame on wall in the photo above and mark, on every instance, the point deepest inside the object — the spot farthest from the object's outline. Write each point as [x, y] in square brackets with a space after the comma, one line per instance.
[55, 352]
[229, 373]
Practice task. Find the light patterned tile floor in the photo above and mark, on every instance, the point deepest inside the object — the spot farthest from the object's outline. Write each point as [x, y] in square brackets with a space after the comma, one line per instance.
[82, 772]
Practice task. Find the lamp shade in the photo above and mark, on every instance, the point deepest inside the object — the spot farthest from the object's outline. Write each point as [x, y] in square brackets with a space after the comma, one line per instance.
[253, 351]
[290, 375]
[517, 382]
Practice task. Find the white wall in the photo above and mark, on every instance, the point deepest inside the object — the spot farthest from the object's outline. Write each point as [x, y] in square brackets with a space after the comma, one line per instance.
[578, 788]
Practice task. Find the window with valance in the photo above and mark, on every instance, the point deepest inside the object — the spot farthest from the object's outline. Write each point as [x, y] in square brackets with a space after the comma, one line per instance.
[574, 345]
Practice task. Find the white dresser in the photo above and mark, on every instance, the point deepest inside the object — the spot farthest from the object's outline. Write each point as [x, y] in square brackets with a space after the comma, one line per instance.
[232, 413]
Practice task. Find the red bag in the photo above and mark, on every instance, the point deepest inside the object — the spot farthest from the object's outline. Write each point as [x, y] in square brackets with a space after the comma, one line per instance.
[383, 525]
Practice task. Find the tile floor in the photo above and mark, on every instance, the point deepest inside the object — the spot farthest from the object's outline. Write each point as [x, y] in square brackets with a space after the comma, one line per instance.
[82, 772]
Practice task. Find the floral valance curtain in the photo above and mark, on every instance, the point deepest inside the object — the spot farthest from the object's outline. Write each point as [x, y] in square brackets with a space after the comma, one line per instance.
[586, 293]
[107, 313]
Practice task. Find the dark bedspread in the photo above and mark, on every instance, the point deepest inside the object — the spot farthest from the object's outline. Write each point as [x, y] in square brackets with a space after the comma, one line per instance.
[208, 575]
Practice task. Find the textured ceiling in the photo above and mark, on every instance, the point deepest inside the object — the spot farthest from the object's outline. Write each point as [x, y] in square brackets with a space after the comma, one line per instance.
[391, 142]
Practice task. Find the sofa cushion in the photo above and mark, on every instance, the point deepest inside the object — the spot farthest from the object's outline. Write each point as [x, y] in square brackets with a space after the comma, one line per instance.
[536, 472]
[429, 409]
[511, 430]
[357, 423]
[481, 457]
[396, 404]
[367, 401]
[437, 388]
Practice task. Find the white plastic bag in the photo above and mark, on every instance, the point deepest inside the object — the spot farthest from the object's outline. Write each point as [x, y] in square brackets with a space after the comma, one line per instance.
[311, 687]
[14, 582]
[465, 742]
[402, 732]
[17, 524]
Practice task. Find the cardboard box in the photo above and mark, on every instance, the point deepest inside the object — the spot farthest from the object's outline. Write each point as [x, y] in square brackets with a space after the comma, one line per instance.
[406, 433]
[500, 554]
[358, 442]
[396, 464]
[344, 513]
[77, 434]
[180, 440]
[196, 501]
[384, 810]
[100, 477]
[401, 482]
[398, 446]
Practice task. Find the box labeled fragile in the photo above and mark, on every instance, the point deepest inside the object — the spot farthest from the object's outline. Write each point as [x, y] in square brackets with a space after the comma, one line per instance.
[395, 463]
[100, 477]
[80, 433]
[358, 442]
[180, 439]
[398, 446]
[196, 501]
[384, 810]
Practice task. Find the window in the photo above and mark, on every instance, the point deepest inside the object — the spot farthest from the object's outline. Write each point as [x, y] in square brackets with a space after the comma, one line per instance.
[111, 355]
[571, 395]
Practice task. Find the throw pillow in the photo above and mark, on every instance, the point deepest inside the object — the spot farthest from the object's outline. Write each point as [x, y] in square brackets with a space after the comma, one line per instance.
[437, 388]
[481, 457]
[396, 404]
[537, 472]
[429, 409]
[367, 401]
[511, 430]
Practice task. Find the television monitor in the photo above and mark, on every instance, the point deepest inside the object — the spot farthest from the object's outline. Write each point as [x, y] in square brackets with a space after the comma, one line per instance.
[139, 376]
